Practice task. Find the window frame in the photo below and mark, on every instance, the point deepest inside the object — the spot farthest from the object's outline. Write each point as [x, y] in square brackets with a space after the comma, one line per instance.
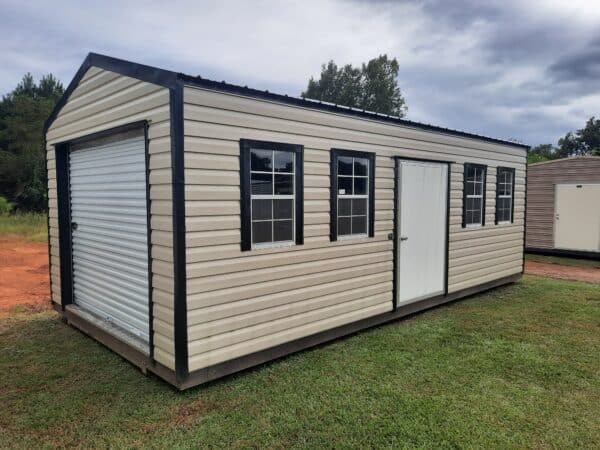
[246, 192]
[510, 170]
[335, 154]
[483, 168]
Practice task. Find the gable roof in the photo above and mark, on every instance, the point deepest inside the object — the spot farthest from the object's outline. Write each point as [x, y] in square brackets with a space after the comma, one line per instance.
[171, 80]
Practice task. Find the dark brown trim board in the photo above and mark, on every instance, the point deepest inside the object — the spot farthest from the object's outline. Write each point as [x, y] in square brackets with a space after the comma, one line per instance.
[561, 252]
[236, 365]
[245, 362]
[126, 351]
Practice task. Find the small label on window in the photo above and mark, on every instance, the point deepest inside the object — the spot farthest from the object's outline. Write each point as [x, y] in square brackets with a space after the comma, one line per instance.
[342, 191]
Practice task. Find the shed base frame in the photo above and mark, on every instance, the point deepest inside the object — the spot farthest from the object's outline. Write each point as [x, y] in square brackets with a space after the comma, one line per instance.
[211, 373]
[561, 252]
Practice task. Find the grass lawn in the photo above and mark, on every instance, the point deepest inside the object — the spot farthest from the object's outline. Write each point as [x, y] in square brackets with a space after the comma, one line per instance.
[563, 261]
[516, 367]
[31, 226]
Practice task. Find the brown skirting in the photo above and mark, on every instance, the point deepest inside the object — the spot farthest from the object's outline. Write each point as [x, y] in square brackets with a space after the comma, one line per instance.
[201, 376]
[560, 252]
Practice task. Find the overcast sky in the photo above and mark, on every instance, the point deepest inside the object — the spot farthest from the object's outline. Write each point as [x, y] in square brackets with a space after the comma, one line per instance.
[513, 69]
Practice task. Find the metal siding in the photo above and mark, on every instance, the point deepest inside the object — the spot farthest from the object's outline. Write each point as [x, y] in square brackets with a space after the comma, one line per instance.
[110, 243]
[242, 302]
[128, 101]
[541, 179]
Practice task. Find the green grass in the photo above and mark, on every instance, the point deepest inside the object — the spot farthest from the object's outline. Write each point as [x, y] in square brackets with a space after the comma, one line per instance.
[516, 367]
[563, 261]
[31, 226]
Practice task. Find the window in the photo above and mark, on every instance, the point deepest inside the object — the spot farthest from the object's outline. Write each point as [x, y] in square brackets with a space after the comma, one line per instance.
[474, 195]
[271, 194]
[352, 194]
[505, 188]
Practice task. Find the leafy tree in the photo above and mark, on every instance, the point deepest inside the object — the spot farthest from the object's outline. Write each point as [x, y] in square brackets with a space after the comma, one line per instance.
[542, 152]
[373, 87]
[585, 141]
[22, 153]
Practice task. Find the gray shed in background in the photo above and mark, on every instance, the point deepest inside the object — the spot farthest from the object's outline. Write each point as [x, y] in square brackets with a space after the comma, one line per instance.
[563, 207]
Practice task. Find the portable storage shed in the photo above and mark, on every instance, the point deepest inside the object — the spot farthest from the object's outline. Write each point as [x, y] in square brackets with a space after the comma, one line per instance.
[563, 207]
[194, 228]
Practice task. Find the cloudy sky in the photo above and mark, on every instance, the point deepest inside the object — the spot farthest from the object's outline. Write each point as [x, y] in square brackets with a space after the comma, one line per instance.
[513, 69]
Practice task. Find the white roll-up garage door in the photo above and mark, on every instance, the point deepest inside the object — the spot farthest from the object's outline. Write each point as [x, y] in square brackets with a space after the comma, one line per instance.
[109, 231]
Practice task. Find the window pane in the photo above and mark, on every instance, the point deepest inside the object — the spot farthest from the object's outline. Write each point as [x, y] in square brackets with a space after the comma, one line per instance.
[282, 209]
[262, 183]
[261, 232]
[360, 186]
[343, 226]
[261, 160]
[359, 206]
[261, 209]
[360, 166]
[470, 173]
[284, 184]
[284, 162]
[476, 217]
[359, 225]
[282, 230]
[479, 188]
[344, 165]
[344, 185]
[344, 207]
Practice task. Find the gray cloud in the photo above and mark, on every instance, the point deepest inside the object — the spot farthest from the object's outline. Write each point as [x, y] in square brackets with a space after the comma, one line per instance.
[509, 69]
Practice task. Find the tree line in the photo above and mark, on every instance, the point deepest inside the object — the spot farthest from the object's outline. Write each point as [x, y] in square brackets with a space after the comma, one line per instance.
[372, 86]
[582, 142]
[22, 154]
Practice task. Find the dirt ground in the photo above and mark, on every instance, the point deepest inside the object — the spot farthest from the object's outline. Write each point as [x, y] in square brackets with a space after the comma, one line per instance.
[588, 274]
[24, 276]
[24, 273]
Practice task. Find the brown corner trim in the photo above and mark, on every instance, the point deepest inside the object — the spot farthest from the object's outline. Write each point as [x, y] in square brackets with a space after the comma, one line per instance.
[244, 362]
[126, 351]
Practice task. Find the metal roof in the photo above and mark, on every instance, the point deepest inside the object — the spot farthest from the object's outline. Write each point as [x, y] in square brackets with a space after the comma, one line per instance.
[170, 79]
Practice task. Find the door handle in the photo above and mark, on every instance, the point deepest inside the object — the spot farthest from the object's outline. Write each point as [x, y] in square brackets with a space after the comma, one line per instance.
[73, 226]
[404, 238]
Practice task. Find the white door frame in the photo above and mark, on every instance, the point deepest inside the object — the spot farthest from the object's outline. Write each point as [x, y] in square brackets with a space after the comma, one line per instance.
[395, 236]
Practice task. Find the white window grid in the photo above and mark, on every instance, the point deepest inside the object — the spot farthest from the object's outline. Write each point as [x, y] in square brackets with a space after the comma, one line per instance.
[477, 179]
[505, 185]
[274, 196]
[354, 196]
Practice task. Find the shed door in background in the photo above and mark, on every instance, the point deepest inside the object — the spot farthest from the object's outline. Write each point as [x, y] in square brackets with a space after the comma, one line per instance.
[109, 231]
[577, 217]
[421, 234]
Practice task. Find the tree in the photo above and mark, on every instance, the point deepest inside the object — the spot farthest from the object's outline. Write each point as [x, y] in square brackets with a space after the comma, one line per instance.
[22, 153]
[585, 141]
[542, 152]
[372, 87]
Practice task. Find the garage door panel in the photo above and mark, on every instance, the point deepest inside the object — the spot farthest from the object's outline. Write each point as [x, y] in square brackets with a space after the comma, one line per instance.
[110, 231]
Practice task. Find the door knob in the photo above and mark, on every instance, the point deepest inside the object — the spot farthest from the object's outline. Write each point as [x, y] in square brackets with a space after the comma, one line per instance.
[403, 238]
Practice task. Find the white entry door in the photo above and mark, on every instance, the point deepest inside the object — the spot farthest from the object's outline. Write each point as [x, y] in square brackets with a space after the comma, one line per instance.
[421, 233]
[577, 217]
[109, 231]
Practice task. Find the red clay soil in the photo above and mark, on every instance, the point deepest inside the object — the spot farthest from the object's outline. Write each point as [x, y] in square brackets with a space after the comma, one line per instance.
[588, 274]
[24, 278]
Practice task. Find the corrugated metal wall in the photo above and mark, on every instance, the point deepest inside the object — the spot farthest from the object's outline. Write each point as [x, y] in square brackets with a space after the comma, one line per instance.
[105, 100]
[242, 302]
[541, 179]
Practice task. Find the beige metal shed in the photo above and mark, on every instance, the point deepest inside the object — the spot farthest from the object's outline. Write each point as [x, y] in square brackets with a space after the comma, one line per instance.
[563, 207]
[199, 228]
